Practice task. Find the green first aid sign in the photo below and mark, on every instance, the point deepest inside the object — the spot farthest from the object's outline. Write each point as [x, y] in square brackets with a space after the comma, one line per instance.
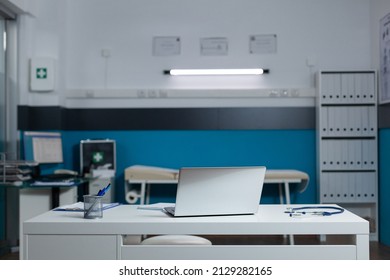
[97, 157]
[41, 73]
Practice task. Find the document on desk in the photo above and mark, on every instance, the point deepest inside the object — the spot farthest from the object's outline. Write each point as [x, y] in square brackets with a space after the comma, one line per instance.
[79, 207]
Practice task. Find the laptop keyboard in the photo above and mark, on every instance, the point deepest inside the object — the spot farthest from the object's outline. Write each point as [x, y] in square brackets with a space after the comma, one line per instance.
[170, 210]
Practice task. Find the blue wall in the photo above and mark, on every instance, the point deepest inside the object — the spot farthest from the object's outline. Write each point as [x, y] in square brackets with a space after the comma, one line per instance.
[276, 149]
[384, 183]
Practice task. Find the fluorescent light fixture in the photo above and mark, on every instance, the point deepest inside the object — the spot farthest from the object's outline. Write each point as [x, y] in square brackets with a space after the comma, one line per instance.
[199, 72]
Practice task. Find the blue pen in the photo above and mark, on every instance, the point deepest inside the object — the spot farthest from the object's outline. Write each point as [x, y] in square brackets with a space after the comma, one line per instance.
[103, 191]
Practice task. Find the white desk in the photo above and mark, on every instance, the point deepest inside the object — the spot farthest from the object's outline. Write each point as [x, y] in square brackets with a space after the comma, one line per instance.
[67, 235]
[283, 179]
[26, 201]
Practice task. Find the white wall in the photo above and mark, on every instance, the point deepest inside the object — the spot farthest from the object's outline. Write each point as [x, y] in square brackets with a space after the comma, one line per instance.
[335, 34]
[379, 9]
[41, 34]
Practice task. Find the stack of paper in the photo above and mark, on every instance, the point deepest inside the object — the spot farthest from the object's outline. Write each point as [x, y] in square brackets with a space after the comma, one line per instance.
[79, 207]
[15, 171]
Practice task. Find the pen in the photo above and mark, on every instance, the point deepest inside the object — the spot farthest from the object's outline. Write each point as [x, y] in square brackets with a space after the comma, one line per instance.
[103, 191]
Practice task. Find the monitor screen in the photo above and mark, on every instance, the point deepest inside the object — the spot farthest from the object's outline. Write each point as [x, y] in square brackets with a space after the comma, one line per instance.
[43, 147]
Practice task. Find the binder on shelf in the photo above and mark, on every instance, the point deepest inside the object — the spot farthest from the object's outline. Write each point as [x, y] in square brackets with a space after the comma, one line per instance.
[324, 155]
[372, 153]
[345, 183]
[351, 121]
[372, 120]
[338, 155]
[324, 183]
[337, 120]
[363, 186]
[324, 121]
[371, 182]
[325, 86]
[344, 88]
[364, 120]
[359, 120]
[344, 180]
[332, 187]
[359, 84]
[344, 164]
[343, 115]
[331, 118]
[352, 154]
[371, 88]
[351, 87]
[353, 182]
[337, 187]
[368, 187]
[358, 153]
[337, 88]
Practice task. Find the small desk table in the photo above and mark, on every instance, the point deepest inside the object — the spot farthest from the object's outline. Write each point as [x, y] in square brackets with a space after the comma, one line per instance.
[32, 200]
[283, 178]
[67, 235]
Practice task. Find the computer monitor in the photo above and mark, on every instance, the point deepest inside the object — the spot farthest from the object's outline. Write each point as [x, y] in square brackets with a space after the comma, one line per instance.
[43, 147]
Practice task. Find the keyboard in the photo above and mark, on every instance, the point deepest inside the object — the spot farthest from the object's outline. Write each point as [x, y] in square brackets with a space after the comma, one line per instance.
[170, 210]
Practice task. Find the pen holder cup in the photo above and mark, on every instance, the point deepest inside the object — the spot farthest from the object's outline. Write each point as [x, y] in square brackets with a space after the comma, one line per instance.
[93, 207]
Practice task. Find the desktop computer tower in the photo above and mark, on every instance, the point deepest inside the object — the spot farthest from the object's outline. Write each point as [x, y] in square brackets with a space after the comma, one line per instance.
[98, 162]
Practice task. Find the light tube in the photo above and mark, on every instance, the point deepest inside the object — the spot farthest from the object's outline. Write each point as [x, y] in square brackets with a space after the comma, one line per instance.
[199, 72]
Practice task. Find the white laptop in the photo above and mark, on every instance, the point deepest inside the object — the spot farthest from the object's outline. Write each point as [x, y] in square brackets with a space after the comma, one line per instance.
[208, 191]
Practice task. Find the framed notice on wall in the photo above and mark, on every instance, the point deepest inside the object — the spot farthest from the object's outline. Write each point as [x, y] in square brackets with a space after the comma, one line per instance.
[384, 96]
[166, 46]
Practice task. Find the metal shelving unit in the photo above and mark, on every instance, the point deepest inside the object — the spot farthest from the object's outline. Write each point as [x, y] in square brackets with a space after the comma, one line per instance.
[347, 149]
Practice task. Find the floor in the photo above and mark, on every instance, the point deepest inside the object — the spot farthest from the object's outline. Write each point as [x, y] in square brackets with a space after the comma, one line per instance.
[378, 251]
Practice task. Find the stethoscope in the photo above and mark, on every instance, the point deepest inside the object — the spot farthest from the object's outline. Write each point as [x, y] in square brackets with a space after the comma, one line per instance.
[318, 211]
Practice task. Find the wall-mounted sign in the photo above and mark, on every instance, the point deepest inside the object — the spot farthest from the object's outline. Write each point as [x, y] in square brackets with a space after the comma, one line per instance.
[166, 46]
[214, 46]
[42, 74]
[262, 44]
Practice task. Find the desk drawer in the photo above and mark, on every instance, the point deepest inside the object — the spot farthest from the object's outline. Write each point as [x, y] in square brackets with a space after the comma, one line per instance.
[238, 252]
[71, 247]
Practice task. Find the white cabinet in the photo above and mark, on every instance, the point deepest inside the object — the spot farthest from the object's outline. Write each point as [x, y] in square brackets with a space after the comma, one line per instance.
[347, 152]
